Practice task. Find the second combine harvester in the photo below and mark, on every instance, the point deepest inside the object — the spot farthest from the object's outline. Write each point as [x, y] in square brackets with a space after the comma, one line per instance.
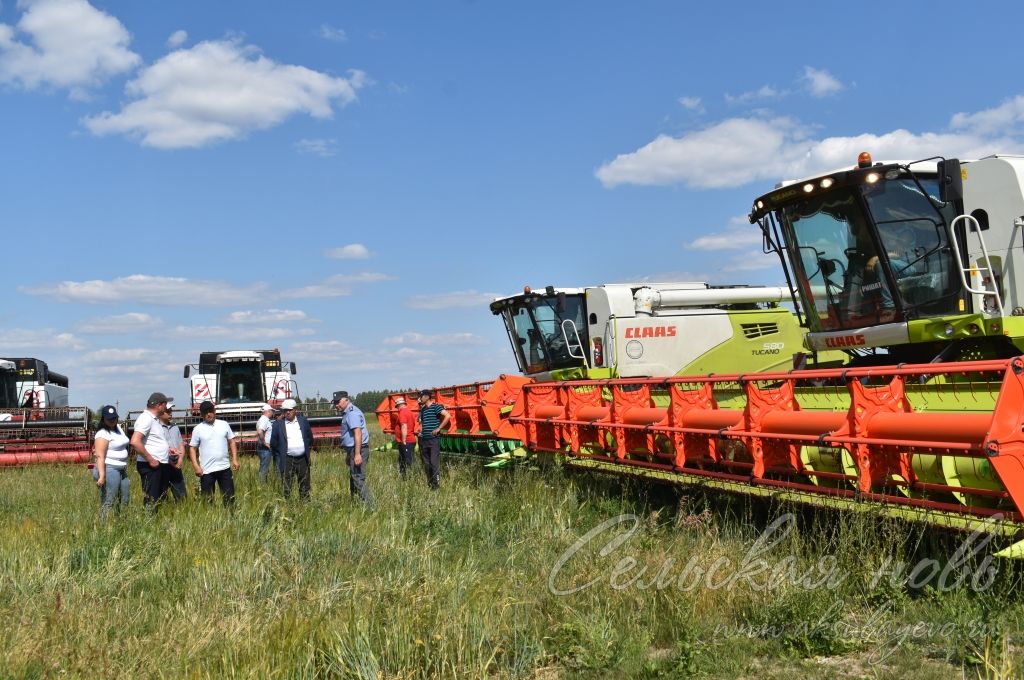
[915, 271]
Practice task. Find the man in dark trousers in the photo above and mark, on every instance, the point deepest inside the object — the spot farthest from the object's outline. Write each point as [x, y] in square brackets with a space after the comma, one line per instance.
[355, 439]
[176, 452]
[291, 439]
[212, 442]
[434, 420]
[150, 445]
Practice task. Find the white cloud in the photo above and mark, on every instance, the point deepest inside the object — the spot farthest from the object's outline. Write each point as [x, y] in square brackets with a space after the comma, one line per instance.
[176, 291]
[120, 323]
[220, 90]
[234, 333]
[177, 39]
[153, 290]
[324, 148]
[412, 353]
[753, 261]
[691, 104]
[338, 285]
[322, 350]
[737, 151]
[1007, 118]
[820, 83]
[761, 93]
[328, 32]
[70, 44]
[413, 338]
[36, 339]
[267, 316]
[353, 251]
[121, 356]
[739, 234]
[458, 298]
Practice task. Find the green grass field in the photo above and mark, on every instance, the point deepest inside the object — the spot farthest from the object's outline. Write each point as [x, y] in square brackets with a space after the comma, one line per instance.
[470, 581]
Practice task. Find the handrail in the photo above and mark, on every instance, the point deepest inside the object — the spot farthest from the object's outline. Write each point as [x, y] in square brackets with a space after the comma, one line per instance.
[984, 251]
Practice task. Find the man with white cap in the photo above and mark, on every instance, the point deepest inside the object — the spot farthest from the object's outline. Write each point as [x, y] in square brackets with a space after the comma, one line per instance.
[291, 438]
[175, 452]
[263, 441]
[405, 436]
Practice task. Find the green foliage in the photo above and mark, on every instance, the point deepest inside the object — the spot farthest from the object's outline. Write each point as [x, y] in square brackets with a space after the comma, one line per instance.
[456, 584]
[369, 400]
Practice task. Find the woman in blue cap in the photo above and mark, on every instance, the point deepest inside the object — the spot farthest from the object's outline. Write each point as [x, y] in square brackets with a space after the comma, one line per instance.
[111, 469]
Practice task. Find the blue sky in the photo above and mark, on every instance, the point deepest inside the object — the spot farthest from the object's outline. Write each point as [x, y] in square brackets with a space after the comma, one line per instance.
[352, 182]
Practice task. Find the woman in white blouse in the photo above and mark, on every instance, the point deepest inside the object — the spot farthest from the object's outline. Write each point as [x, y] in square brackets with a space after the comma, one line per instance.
[111, 469]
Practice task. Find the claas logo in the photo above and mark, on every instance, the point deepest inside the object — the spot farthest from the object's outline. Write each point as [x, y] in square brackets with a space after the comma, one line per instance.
[845, 340]
[650, 332]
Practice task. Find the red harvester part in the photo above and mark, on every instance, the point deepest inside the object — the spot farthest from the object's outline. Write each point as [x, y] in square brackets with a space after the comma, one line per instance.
[925, 436]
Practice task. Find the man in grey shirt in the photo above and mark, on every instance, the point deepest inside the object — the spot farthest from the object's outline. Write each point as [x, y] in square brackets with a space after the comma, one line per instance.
[176, 453]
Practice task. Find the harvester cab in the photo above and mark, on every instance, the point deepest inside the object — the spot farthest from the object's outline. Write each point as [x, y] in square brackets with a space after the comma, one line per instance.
[905, 262]
[240, 381]
[645, 329]
[37, 386]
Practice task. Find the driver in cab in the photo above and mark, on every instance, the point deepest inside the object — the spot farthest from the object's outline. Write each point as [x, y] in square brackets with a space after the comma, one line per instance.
[903, 257]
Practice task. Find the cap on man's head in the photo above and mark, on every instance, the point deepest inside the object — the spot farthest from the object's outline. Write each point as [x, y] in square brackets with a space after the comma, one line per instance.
[207, 407]
[339, 395]
[266, 407]
[170, 405]
[158, 398]
[108, 412]
[400, 401]
[288, 404]
[426, 393]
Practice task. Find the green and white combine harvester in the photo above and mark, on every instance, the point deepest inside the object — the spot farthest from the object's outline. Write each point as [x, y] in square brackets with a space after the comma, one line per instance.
[907, 394]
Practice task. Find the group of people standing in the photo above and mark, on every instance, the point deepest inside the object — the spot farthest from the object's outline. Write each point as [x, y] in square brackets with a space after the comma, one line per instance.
[284, 443]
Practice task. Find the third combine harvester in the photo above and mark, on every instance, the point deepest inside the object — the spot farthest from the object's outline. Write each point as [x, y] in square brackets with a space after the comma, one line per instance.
[239, 382]
[915, 273]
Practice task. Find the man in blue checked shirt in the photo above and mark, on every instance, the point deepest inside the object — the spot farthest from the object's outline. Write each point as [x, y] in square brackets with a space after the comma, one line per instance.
[355, 438]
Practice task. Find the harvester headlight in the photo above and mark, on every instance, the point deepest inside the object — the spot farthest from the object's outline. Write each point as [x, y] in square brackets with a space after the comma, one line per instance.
[871, 178]
[892, 174]
[826, 183]
[808, 188]
[760, 205]
[948, 330]
[973, 329]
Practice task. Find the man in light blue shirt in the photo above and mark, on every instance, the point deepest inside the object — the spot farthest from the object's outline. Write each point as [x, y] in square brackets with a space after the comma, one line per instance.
[355, 438]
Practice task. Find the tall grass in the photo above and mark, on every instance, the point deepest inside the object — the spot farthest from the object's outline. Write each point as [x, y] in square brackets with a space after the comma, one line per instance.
[456, 584]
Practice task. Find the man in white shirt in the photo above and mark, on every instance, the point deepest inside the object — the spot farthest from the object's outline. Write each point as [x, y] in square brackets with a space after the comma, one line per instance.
[263, 442]
[208, 451]
[149, 442]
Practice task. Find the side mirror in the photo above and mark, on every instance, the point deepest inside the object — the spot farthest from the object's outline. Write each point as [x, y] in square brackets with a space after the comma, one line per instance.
[951, 183]
[291, 367]
[188, 369]
[560, 304]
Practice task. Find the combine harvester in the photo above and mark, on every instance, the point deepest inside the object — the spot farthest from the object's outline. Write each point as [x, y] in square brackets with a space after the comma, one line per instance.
[613, 331]
[36, 423]
[910, 269]
[241, 381]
